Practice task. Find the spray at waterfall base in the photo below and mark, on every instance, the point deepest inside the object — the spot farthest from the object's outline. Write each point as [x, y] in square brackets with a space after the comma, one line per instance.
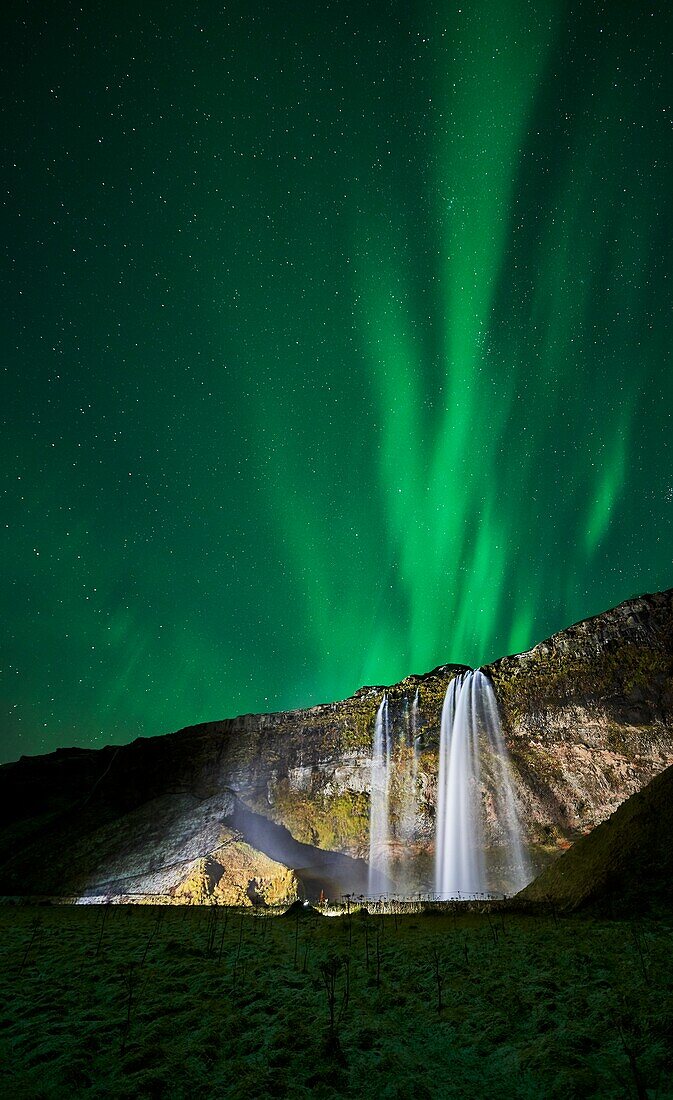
[479, 847]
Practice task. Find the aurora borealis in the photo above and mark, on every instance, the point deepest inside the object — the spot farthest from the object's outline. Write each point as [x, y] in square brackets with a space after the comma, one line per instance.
[336, 346]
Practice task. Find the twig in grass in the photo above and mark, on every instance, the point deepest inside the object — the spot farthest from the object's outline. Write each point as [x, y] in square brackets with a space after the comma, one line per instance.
[31, 941]
[437, 961]
[106, 909]
[211, 931]
[366, 942]
[349, 919]
[330, 969]
[493, 929]
[238, 953]
[153, 931]
[641, 1091]
[552, 908]
[129, 978]
[296, 937]
[639, 948]
[307, 946]
[378, 952]
[224, 929]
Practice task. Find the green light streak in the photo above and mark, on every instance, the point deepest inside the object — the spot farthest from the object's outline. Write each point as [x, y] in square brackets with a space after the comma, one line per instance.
[346, 359]
[444, 520]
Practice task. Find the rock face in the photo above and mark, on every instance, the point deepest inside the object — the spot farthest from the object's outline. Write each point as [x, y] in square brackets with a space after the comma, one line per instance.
[587, 716]
[236, 874]
[624, 866]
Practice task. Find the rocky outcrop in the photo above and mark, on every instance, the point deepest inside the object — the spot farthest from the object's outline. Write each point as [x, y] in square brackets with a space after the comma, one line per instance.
[587, 715]
[624, 866]
[236, 874]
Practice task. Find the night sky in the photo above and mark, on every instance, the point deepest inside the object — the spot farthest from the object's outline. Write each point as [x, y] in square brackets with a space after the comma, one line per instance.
[336, 345]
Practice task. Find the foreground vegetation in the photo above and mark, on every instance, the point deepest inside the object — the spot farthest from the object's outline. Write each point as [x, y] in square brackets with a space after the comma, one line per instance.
[173, 1002]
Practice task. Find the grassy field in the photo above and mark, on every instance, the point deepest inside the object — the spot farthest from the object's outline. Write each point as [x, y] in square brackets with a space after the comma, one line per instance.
[172, 1002]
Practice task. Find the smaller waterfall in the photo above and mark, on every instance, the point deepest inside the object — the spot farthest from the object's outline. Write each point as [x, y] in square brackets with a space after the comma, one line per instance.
[409, 750]
[474, 776]
[379, 827]
[415, 735]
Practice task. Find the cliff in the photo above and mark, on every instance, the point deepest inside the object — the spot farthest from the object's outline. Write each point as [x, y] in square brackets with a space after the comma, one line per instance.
[587, 716]
[625, 865]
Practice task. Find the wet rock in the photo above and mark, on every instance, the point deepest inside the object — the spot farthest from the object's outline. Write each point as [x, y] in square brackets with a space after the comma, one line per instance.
[587, 715]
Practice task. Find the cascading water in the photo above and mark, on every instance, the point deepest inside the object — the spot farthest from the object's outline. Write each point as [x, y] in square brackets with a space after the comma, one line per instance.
[379, 828]
[471, 742]
[414, 729]
[409, 749]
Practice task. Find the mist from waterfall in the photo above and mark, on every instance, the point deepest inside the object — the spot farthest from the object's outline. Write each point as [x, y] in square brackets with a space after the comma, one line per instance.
[379, 824]
[473, 759]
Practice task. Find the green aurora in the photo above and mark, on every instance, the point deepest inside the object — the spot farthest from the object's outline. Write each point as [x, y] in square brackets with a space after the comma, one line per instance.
[335, 348]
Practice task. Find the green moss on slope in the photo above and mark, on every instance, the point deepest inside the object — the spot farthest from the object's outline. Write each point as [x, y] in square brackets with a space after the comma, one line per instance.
[627, 862]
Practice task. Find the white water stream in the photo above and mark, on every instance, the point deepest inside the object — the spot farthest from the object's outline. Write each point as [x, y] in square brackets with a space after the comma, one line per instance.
[379, 824]
[473, 768]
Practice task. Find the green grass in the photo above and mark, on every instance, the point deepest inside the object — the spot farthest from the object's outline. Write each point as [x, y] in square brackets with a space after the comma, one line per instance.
[193, 1002]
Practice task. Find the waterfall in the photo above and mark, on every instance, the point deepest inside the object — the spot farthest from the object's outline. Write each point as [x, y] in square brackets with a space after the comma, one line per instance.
[379, 829]
[409, 750]
[412, 728]
[473, 758]
[415, 739]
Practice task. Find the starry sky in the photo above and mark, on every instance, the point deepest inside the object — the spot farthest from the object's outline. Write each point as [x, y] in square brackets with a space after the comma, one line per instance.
[336, 345]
